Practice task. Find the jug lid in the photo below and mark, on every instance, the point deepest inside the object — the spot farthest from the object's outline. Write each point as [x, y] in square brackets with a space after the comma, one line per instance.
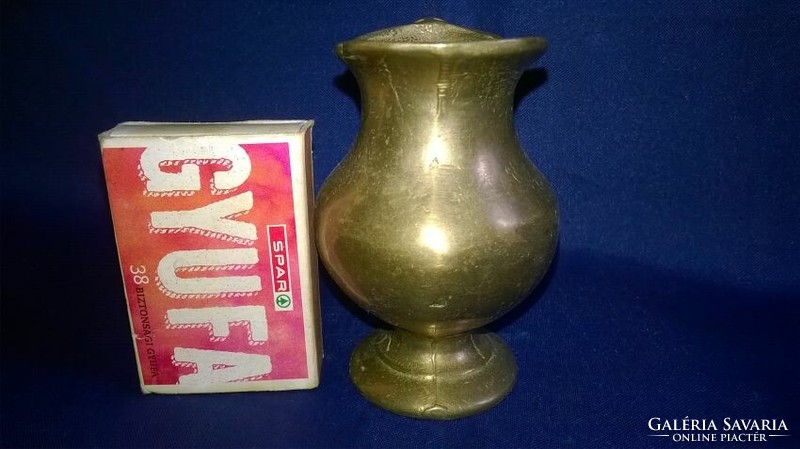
[434, 35]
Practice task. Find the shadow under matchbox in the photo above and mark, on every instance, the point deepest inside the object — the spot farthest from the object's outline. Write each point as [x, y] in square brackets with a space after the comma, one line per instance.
[213, 228]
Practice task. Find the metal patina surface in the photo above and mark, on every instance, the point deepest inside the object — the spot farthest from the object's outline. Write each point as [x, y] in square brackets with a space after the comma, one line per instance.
[436, 221]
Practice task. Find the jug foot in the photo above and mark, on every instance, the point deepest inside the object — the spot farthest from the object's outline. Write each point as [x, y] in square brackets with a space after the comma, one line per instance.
[433, 378]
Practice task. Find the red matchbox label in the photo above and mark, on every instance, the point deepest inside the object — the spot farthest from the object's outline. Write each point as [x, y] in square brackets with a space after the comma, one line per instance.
[208, 247]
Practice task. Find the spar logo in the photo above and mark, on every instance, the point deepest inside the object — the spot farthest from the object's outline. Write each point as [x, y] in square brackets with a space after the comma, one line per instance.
[281, 278]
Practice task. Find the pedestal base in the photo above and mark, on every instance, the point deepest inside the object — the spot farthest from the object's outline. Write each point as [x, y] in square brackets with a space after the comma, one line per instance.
[433, 378]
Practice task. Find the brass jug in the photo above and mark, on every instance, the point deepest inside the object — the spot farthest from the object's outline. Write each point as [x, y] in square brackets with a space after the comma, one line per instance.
[436, 221]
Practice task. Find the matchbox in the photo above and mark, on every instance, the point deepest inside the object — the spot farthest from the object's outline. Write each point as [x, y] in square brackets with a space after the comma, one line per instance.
[213, 229]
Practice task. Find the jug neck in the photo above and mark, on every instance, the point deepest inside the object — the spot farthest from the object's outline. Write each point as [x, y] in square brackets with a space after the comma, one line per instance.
[441, 93]
[441, 89]
[441, 82]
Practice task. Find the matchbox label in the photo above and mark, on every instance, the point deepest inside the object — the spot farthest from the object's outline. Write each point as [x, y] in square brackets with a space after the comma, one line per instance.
[207, 240]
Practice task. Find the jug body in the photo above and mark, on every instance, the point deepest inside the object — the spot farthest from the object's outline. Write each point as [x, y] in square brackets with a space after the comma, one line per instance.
[436, 221]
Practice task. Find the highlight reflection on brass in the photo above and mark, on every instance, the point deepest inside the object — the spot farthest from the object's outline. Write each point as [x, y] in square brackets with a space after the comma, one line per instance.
[436, 221]
[434, 238]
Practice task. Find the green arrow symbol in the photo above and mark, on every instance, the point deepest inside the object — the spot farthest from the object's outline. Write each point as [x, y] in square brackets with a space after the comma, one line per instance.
[283, 301]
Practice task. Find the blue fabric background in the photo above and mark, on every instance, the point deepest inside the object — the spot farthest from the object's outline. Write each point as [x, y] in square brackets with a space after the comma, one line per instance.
[669, 131]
